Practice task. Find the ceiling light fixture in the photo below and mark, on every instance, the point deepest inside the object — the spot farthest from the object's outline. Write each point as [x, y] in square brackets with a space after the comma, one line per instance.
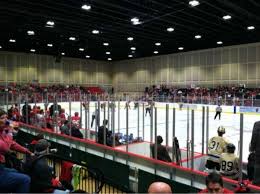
[133, 48]
[87, 56]
[105, 43]
[130, 56]
[49, 45]
[198, 36]
[194, 3]
[33, 50]
[30, 32]
[12, 40]
[50, 23]
[0, 47]
[86, 7]
[219, 42]
[63, 54]
[180, 48]
[170, 29]
[108, 53]
[72, 38]
[158, 44]
[130, 38]
[250, 27]
[226, 17]
[95, 32]
[155, 52]
[135, 21]
[81, 49]
[109, 59]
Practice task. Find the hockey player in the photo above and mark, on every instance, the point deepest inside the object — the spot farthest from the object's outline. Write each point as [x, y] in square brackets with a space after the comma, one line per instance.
[217, 146]
[229, 163]
[127, 104]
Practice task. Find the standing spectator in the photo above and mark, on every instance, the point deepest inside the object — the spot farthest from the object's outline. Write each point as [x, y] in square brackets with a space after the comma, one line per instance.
[55, 109]
[218, 112]
[26, 111]
[255, 149]
[214, 184]
[217, 146]
[101, 130]
[65, 129]
[162, 153]
[76, 120]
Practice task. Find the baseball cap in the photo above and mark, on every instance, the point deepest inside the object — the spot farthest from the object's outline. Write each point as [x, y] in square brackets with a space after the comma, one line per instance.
[42, 145]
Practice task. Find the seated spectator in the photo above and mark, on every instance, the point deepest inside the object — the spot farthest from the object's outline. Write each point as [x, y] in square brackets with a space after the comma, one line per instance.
[41, 174]
[159, 187]
[40, 119]
[11, 180]
[75, 132]
[76, 119]
[214, 184]
[65, 129]
[162, 153]
[35, 141]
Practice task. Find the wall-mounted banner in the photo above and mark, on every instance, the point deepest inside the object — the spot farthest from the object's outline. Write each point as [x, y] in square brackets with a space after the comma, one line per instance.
[249, 109]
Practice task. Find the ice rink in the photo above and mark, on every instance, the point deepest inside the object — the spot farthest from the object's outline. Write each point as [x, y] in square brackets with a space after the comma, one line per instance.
[229, 120]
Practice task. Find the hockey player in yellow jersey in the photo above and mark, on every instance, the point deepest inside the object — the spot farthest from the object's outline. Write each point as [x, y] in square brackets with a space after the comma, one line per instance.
[229, 163]
[217, 146]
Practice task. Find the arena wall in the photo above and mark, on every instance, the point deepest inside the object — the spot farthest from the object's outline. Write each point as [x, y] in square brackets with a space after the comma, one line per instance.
[24, 68]
[211, 67]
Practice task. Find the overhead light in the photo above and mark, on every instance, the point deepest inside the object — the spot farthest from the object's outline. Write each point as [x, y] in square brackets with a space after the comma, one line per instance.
[87, 56]
[33, 50]
[170, 29]
[250, 27]
[95, 32]
[180, 48]
[63, 54]
[86, 7]
[135, 21]
[81, 49]
[130, 38]
[158, 44]
[109, 59]
[72, 38]
[219, 42]
[30, 32]
[49, 45]
[130, 56]
[194, 3]
[50, 23]
[0, 47]
[108, 53]
[105, 44]
[12, 40]
[226, 17]
[133, 48]
[133, 51]
[155, 52]
[198, 36]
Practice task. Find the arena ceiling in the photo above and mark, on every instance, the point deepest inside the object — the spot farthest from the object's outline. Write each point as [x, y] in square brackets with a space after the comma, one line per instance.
[100, 29]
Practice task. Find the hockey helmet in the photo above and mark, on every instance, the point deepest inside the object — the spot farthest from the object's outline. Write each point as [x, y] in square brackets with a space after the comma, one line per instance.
[231, 148]
[221, 129]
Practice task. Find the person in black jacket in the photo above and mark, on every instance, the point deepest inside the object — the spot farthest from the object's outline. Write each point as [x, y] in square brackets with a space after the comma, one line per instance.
[255, 148]
[26, 110]
[101, 130]
[75, 132]
[162, 153]
[55, 109]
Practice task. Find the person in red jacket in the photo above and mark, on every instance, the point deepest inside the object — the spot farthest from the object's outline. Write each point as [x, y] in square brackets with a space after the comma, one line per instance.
[76, 119]
[214, 184]
[13, 181]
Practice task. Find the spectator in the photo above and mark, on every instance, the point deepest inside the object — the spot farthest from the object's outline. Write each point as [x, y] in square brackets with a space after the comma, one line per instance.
[159, 187]
[55, 109]
[65, 129]
[11, 180]
[101, 130]
[214, 184]
[255, 149]
[42, 175]
[26, 110]
[75, 132]
[217, 146]
[162, 153]
[76, 119]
